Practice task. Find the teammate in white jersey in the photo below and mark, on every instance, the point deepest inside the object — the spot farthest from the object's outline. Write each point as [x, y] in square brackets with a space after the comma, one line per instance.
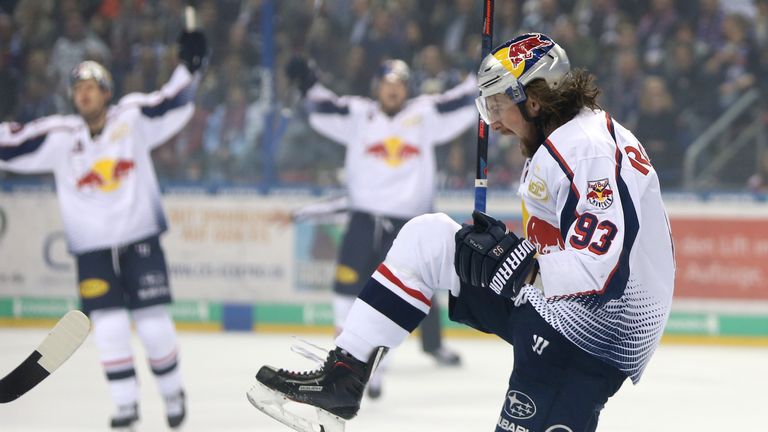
[112, 214]
[583, 299]
[390, 172]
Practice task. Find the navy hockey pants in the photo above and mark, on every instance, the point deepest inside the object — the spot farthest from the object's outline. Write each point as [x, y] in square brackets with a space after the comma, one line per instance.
[555, 386]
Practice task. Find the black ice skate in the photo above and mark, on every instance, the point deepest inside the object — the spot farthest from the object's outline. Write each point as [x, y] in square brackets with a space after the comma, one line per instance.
[335, 389]
[125, 418]
[175, 409]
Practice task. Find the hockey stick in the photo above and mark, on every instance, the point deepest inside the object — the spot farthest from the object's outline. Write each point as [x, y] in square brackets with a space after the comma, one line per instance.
[481, 177]
[63, 340]
[190, 16]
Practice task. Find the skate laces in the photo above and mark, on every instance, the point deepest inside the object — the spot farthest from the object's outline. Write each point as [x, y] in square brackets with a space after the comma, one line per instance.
[306, 349]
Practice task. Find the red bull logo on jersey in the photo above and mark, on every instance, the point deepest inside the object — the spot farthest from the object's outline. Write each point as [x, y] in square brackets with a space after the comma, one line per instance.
[544, 236]
[393, 151]
[599, 193]
[106, 174]
[515, 56]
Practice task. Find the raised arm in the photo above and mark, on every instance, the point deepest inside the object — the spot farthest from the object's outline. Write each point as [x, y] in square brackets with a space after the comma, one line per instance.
[332, 115]
[166, 111]
[36, 147]
[454, 110]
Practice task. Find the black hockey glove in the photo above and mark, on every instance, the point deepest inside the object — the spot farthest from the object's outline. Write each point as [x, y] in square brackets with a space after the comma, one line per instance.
[301, 72]
[193, 49]
[487, 256]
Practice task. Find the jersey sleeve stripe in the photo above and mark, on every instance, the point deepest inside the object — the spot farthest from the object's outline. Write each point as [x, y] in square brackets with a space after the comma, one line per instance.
[28, 146]
[616, 282]
[454, 104]
[568, 214]
[185, 95]
[329, 107]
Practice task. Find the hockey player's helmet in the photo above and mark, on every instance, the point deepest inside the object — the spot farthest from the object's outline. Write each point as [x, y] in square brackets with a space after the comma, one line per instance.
[88, 70]
[395, 70]
[516, 63]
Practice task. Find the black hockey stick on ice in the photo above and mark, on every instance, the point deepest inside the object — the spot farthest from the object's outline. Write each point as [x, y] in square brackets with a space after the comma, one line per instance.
[481, 177]
[63, 340]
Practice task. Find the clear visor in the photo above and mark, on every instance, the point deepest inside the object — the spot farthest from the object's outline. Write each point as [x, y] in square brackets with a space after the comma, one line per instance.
[491, 107]
[85, 74]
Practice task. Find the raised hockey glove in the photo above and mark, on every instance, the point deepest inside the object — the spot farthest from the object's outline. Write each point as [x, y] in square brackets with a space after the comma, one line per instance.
[193, 49]
[487, 256]
[301, 73]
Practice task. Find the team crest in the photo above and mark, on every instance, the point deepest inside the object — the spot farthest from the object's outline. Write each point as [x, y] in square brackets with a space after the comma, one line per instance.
[599, 193]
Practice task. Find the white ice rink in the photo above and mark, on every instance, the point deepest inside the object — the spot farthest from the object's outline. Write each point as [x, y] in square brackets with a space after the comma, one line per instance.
[685, 389]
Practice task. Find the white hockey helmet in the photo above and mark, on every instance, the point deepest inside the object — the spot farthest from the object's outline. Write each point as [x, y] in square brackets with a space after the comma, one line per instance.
[395, 70]
[516, 63]
[91, 70]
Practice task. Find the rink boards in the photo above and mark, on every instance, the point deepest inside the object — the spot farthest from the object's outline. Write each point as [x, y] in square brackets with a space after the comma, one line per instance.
[235, 266]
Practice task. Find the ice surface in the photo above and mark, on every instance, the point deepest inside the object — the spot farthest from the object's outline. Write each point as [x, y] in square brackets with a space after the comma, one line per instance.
[686, 388]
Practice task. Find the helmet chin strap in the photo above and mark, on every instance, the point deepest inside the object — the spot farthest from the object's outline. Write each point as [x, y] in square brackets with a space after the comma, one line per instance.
[518, 93]
[540, 137]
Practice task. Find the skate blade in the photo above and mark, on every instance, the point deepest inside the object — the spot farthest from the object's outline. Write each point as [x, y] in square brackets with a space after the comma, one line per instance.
[272, 402]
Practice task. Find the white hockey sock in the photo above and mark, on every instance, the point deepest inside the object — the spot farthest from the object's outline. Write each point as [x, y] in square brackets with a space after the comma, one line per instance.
[158, 334]
[384, 314]
[112, 336]
[397, 297]
[342, 304]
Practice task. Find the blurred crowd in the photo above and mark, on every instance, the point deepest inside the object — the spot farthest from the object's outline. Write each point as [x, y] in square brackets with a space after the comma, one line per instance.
[667, 68]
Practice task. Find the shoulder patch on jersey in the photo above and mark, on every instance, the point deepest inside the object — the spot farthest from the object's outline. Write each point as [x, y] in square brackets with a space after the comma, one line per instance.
[412, 121]
[599, 193]
[537, 188]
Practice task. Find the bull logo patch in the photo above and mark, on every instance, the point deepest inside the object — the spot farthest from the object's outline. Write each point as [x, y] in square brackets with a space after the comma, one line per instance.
[599, 193]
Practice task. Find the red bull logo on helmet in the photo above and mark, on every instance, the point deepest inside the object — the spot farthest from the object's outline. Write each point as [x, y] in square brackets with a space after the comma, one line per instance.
[106, 174]
[393, 151]
[520, 50]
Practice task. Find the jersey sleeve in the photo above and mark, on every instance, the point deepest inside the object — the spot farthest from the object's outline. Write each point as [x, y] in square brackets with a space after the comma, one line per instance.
[33, 148]
[165, 112]
[454, 111]
[598, 223]
[332, 115]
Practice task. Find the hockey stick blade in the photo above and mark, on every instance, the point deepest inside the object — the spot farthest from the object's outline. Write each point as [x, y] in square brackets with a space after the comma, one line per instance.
[271, 403]
[62, 341]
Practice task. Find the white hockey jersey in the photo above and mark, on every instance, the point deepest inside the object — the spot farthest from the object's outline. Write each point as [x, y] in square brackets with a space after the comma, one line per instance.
[107, 188]
[593, 207]
[390, 161]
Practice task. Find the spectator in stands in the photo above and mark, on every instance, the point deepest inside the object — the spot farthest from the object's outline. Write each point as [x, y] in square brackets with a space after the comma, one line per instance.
[583, 48]
[654, 29]
[709, 22]
[75, 45]
[758, 182]
[734, 62]
[431, 76]
[622, 92]
[456, 174]
[542, 16]
[657, 130]
[8, 89]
